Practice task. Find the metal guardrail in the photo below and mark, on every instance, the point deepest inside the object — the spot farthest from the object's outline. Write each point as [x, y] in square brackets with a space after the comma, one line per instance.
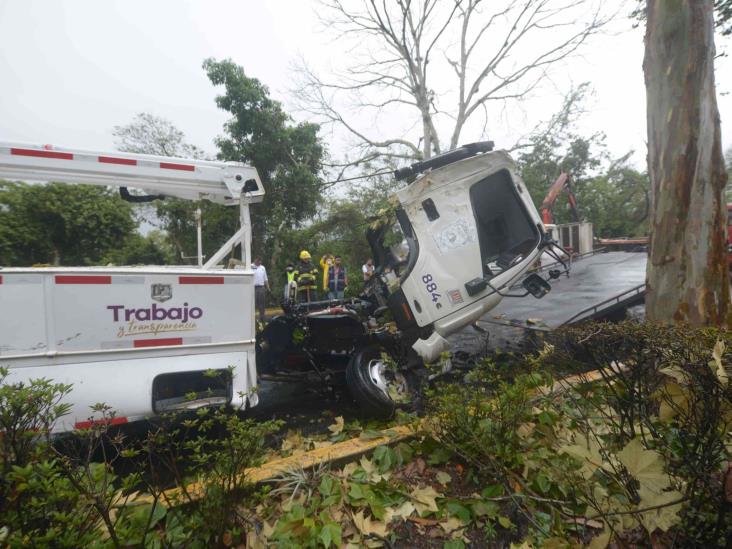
[619, 299]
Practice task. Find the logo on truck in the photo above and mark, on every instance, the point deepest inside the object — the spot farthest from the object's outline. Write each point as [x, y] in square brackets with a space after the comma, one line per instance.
[161, 292]
[155, 319]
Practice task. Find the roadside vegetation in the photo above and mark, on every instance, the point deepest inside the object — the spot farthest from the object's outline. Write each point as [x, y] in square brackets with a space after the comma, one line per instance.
[611, 434]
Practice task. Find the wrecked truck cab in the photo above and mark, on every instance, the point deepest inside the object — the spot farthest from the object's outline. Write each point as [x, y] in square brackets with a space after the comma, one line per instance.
[471, 231]
[451, 245]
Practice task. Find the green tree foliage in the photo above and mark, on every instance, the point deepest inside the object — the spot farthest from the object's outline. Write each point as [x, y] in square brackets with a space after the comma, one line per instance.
[340, 229]
[61, 224]
[610, 193]
[150, 134]
[151, 249]
[287, 156]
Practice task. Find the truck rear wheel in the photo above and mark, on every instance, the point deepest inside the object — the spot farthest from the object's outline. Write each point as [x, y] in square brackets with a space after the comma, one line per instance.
[377, 386]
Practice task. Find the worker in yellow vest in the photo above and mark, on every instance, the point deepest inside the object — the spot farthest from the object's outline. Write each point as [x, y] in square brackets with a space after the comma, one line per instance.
[306, 276]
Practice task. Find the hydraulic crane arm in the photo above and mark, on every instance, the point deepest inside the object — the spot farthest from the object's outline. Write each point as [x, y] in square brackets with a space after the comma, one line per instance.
[221, 182]
[562, 183]
[227, 183]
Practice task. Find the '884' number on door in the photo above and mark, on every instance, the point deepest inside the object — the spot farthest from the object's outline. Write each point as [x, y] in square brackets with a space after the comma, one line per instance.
[431, 286]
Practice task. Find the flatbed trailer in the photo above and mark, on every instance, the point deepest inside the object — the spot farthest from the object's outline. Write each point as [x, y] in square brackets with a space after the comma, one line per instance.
[599, 285]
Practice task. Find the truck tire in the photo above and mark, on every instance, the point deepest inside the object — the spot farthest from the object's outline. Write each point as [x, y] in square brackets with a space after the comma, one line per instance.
[378, 389]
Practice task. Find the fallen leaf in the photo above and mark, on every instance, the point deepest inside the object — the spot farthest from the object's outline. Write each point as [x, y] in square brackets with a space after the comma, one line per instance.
[645, 465]
[443, 477]
[601, 541]
[349, 469]
[401, 512]
[717, 353]
[367, 527]
[424, 499]
[367, 465]
[452, 524]
[674, 399]
[267, 530]
[337, 427]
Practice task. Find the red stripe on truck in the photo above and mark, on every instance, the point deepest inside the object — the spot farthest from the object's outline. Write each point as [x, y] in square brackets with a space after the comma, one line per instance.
[109, 421]
[201, 280]
[183, 167]
[115, 160]
[1, 279]
[83, 279]
[42, 154]
[157, 342]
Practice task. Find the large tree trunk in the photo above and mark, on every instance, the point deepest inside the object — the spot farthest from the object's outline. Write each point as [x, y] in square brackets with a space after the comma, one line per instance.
[687, 276]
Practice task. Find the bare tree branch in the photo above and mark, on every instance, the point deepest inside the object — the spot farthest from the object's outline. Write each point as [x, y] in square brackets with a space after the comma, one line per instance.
[489, 51]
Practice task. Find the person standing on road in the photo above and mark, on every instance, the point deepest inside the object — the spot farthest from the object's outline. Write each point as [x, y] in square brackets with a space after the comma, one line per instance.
[368, 270]
[290, 276]
[261, 284]
[337, 279]
[326, 262]
[306, 276]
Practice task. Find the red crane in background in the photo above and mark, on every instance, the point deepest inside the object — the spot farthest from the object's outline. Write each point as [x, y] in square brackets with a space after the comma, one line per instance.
[562, 183]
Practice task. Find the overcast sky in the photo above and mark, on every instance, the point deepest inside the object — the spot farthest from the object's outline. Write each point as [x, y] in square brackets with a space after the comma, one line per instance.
[70, 70]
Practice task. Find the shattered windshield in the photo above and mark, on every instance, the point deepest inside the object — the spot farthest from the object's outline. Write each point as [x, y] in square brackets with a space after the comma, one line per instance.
[393, 243]
[506, 232]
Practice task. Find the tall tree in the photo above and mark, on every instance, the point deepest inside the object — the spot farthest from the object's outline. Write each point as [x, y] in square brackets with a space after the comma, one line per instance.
[150, 134]
[439, 65]
[288, 156]
[687, 275]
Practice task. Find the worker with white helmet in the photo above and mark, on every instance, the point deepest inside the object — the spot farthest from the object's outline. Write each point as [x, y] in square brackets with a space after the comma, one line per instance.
[306, 276]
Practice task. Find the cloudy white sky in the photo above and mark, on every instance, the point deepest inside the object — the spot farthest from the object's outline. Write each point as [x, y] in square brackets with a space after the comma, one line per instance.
[70, 70]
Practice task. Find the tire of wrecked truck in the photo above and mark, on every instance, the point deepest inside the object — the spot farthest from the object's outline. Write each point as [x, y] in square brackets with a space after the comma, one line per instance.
[372, 401]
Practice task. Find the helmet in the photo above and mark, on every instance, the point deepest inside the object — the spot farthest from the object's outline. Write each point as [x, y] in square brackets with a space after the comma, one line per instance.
[304, 254]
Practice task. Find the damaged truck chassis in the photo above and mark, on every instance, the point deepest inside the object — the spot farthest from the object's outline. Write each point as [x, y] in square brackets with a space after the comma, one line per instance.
[465, 232]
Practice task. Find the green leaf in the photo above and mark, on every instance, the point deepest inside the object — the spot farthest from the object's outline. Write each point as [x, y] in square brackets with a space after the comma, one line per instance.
[454, 544]
[328, 486]
[331, 534]
[645, 465]
[385, 458]
[492, 491]
[485, 509]
[439, 456]
[443, 477]
[460, 511]
[505, 522]
[370, 434]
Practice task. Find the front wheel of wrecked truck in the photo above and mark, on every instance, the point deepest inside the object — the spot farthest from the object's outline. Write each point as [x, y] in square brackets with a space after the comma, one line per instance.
[377, 385]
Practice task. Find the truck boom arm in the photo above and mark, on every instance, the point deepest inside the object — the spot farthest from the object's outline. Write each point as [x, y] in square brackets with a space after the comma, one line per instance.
[229, 183]
[221, 182]
[562, 183]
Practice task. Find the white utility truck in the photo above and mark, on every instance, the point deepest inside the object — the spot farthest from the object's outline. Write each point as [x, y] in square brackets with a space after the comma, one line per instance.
[142, 340]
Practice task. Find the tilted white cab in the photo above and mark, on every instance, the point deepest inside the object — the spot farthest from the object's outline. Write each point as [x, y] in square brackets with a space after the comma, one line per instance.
[142, 340]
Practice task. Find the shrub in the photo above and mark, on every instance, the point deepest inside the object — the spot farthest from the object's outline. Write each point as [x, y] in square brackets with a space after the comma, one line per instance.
[642, 446]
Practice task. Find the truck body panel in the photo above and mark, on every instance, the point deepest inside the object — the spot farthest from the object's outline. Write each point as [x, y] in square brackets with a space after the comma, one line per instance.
[110, 332]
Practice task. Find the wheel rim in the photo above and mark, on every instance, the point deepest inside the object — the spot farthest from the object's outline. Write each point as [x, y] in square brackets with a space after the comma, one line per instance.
[392, 384]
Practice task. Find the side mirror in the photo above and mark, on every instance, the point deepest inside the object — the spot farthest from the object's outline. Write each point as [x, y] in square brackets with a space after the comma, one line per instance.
[536, 286]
